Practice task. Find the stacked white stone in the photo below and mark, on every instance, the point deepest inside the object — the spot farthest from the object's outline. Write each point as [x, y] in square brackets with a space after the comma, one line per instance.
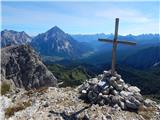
[106, 89]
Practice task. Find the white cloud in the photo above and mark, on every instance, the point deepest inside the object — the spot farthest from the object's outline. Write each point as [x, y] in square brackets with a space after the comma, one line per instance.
[124, 14]
[142, 28]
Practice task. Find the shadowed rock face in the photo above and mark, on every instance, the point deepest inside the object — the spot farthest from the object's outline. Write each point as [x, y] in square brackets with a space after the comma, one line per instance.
[23, 67]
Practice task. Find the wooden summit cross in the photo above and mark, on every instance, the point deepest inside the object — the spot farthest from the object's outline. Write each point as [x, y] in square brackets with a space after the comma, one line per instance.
[115, 42]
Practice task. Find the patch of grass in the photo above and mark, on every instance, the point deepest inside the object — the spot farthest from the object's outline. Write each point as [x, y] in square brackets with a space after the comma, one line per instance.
[146, 113]
[5, 88]
[21, 106]
[41, 90]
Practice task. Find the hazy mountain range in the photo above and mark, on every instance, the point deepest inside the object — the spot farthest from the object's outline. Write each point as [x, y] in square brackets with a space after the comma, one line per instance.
[53, 42]
[56, 45]
[142, 38]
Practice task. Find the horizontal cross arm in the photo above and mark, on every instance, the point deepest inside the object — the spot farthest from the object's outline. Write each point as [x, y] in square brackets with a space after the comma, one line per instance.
[126, 42]
[118, 41]
[106, 40]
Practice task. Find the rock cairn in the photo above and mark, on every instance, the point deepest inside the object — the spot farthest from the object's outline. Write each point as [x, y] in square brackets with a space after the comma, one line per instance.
[111, 90]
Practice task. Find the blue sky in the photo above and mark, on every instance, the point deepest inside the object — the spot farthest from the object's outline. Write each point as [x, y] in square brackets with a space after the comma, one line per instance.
[81, 17]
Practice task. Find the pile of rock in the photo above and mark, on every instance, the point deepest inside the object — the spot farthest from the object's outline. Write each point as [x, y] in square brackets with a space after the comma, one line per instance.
[108, 89]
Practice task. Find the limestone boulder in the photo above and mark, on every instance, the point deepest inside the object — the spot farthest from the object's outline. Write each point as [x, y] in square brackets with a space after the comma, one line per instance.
[149, 103]
[134, 89]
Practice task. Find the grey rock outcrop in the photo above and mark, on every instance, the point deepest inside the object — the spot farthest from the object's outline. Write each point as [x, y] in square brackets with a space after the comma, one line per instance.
[23, 67]
[10, 37]
[5, 103]
[111, 90]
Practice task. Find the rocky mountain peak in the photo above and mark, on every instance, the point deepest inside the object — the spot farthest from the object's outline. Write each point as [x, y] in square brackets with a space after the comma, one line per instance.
[22, 66]
[55, 42]
[4, 32]
[11, 37]
[55, 30]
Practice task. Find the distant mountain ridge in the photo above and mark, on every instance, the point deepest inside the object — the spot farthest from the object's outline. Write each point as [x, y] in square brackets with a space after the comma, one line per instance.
[144, 55]
[56, 42]
[141, 40]
[145, 58]
[10, 37]
[94, 37]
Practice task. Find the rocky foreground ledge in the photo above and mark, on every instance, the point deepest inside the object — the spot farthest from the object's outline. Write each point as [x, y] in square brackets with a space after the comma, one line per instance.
[64, 104]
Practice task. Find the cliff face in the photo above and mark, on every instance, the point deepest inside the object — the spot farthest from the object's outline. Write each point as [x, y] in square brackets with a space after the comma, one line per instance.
[23, 67]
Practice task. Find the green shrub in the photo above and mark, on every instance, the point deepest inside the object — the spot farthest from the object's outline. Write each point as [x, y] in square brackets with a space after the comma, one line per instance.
[70, 76]
[5, 87]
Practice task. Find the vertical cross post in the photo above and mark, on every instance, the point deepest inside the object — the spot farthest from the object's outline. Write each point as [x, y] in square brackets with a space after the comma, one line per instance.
[114, 46]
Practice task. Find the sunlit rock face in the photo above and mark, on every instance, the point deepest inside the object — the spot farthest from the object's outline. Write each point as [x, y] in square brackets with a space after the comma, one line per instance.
[10, 37]
[23, 67]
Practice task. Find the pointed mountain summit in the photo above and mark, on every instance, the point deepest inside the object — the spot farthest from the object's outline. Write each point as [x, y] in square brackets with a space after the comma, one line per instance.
[55, 42]
[55, 29]
[11, 37]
